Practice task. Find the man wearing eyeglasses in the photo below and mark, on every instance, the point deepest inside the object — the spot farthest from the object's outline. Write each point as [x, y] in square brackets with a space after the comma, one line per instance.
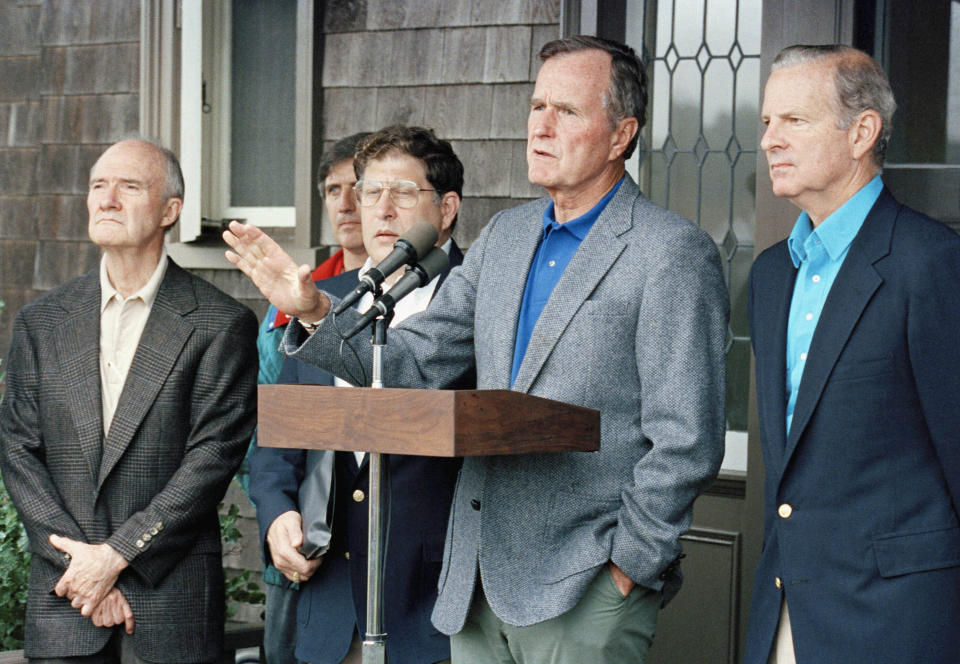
[405, 175]
[594, 296]
[335, 180]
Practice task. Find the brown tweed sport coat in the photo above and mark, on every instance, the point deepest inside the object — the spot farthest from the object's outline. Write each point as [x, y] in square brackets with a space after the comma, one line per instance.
[151, 488]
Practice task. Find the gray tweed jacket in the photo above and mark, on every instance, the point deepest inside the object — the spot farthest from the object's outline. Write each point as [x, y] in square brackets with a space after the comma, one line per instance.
[151, 488]
[635, 328]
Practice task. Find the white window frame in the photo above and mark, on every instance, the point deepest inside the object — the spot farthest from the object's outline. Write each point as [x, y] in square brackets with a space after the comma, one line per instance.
[164, 98]
[206, 46]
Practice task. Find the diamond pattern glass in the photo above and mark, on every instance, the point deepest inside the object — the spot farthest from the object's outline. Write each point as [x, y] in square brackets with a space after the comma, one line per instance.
[703, 60]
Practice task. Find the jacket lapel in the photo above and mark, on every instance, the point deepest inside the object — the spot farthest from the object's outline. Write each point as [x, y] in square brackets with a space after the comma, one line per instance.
[163, 339]
[353, 466]
[456, 257]
[853, 288]
[770, 336]
[592, 260]
[79, 355]
[518, 253]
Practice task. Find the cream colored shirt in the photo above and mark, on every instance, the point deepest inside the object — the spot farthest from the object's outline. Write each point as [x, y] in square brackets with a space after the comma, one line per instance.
[121, 323]
[413, 303]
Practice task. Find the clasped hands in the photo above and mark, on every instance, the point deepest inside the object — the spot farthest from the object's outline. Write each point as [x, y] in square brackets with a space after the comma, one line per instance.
[89, 582]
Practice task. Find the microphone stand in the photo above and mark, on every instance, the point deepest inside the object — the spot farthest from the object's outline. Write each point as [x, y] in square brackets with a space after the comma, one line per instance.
[374, 644]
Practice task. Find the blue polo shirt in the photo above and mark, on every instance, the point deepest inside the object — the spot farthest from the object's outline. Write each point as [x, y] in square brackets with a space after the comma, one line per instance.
[558, 244]
[818, 254]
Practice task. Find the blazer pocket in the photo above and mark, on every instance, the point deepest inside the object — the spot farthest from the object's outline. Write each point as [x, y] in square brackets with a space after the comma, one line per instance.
[905, 553]
[606, 308]
[580, 531]
[855, 369]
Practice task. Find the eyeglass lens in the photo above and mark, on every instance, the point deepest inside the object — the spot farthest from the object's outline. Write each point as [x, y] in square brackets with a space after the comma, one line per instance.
[403, 193]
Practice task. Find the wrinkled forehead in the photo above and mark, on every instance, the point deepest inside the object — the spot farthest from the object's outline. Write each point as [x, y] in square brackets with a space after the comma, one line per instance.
[810, 82]
[589, 68]
[129, 160]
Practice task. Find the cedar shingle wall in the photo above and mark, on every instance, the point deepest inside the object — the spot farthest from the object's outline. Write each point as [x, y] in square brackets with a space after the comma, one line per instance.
[69, 79]
[463, 68]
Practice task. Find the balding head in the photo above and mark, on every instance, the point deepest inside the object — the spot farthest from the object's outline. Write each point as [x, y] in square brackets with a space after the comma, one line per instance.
[135, 195]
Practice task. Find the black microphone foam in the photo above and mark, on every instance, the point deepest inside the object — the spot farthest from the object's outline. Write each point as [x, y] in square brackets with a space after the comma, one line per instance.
[408, 249]
[416, 276]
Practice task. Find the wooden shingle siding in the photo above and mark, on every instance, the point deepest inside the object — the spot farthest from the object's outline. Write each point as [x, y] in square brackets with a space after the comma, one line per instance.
[81, 119]
[464, 68]
[68, 22]
[69, 86]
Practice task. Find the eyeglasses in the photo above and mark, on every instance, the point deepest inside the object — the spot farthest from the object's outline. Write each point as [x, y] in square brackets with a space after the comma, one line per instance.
[403, 193]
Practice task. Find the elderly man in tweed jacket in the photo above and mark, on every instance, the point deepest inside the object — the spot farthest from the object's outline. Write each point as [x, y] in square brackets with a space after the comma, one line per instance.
[594, 296]
[129, 404]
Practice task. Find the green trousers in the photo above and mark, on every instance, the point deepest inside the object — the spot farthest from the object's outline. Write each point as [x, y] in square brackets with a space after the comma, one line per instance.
[603, 628]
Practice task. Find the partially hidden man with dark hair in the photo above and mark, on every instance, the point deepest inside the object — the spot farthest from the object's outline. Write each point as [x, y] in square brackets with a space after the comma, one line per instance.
[594, 296]
[854, 320]
[130, 401]
[404, 175]
[335, 180]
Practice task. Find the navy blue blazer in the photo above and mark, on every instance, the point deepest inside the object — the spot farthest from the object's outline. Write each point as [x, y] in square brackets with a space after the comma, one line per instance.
[868, 551]
[332, 604]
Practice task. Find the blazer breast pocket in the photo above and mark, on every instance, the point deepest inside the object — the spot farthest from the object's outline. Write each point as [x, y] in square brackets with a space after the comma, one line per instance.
[859, 369]
[607, 325]
[602, 336]
[605, 308]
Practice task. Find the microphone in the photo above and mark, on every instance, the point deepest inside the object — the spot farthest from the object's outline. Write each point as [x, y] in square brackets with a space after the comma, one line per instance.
[408, 249]
[416, 276]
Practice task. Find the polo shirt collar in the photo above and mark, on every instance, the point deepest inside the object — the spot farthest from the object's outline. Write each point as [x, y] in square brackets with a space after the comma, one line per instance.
[580, 226]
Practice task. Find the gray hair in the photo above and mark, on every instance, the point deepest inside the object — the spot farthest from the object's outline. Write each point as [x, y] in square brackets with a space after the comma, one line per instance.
[173, 182]
[860, 85]
[626, 95]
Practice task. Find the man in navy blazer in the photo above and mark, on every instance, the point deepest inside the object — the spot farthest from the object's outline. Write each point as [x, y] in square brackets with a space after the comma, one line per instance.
[854, 320]
[405, 174]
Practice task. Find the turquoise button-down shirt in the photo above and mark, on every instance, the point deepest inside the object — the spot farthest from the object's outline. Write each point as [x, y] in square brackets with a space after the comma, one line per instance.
[818, 254]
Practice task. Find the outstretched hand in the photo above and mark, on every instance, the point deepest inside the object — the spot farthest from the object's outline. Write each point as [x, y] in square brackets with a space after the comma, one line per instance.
[288, 286]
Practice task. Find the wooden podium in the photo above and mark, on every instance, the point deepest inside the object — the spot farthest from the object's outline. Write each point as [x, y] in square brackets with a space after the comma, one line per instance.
[443, 423]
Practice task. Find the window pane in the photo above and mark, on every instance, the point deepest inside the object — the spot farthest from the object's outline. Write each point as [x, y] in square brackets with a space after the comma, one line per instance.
[262, 105]
[701, 138]
[920, 52]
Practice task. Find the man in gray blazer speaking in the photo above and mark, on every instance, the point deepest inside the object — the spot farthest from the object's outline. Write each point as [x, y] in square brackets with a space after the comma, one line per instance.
[129, 404]
[593, 296]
